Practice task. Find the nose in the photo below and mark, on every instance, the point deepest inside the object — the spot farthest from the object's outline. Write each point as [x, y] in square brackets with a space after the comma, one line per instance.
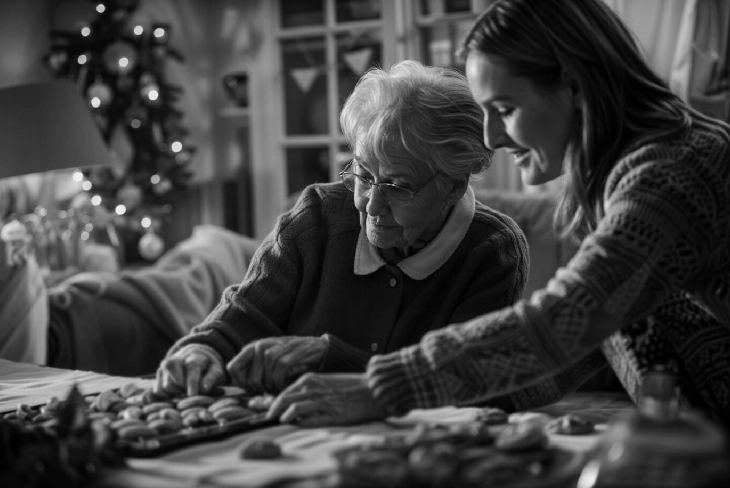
[376, 203]
[494, 135]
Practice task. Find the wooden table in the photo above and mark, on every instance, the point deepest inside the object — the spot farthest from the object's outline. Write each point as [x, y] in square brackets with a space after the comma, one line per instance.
[307, 452]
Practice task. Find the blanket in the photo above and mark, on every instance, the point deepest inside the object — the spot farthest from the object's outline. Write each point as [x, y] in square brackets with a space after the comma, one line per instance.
[173, 295]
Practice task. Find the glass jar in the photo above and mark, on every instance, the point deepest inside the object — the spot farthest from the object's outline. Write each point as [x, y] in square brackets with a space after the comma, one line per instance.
[658, 445]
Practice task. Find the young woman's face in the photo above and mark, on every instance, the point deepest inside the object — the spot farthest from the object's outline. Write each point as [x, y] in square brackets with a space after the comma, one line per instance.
[396, 226]
[530, 123]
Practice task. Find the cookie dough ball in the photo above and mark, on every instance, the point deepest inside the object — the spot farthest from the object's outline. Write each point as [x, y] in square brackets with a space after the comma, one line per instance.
[260, 449]
[570, 424]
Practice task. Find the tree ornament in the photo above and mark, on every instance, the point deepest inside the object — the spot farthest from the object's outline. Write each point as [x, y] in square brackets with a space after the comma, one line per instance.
[130, 195]
[162, 187]
[151, 246]
[151, 93]
[57, 60]
[120, 57]
[100, 91]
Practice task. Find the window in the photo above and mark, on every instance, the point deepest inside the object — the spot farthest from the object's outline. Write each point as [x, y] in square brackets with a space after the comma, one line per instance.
[325, 47]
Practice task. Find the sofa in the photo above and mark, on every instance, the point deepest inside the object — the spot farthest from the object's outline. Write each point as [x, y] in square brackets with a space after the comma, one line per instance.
[533, 213]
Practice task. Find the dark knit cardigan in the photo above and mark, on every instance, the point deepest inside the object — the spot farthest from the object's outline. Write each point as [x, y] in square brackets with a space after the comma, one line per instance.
[301, 281]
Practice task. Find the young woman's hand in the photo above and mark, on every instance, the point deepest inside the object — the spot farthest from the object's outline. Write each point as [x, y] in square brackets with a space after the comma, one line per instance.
[326, 399]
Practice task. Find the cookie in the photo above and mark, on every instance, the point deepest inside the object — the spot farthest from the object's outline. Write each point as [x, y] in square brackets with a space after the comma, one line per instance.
[492, 416]
[570, 424]
[260, 449]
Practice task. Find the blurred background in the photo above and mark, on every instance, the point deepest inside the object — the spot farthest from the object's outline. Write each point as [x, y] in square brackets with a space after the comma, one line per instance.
[218, 111]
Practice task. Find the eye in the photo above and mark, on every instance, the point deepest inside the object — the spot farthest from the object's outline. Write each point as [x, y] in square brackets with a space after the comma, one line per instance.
[505, 112]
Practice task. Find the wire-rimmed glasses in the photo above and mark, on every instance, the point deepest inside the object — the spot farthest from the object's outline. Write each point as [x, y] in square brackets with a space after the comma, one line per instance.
[391, 193]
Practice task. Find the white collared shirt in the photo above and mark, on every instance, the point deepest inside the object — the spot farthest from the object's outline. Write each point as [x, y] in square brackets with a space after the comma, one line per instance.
[423, 263]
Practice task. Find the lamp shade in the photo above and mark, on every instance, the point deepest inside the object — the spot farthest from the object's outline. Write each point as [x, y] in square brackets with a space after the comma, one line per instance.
[45, 127]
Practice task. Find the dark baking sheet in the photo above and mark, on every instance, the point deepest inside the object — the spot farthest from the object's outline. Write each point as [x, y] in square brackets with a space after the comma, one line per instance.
[162, 444]
[187, 436]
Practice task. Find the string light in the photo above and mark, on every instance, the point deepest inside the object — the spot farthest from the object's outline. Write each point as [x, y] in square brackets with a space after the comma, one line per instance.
[138, 30]
[153, 95]
[120, 209]
[154, 179]
[86, 31]
[146, 222]
[123, 62]
[96, 102]
[96, 200]
[86, 185]
[159, 32]
[136, 123]
[176, 146]
[100, 8]
[77, 176]
[82, 59]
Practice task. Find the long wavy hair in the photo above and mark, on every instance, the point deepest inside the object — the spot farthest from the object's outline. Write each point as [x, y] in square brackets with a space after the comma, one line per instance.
[624, 103]
[429, 111]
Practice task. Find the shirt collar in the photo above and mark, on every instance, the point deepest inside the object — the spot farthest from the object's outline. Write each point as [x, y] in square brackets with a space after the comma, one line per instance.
[423, 263]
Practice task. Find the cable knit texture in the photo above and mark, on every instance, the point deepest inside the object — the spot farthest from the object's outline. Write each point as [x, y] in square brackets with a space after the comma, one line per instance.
[652, 283]
[301, 282]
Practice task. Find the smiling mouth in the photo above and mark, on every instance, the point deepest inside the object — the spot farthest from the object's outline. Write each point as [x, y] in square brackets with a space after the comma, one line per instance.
[520, 157]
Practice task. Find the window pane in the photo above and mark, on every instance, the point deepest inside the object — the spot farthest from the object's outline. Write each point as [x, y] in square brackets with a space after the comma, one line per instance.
[305, 86]
[440, 7]
[306, 165]
[351, 10]
[356, 54]
[297, 13]
[440, 42]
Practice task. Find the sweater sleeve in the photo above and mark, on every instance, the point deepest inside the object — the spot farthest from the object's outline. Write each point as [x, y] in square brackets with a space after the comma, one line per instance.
[261, 305]
[636, 257]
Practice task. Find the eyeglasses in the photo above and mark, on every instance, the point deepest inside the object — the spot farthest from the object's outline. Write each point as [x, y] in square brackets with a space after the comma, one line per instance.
[391, 193]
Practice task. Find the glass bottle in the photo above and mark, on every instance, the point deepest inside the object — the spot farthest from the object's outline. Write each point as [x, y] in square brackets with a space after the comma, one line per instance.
[659, 444]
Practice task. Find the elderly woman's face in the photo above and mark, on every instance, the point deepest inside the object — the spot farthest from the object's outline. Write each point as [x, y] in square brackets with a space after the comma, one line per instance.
[399, 226]
[532, 125]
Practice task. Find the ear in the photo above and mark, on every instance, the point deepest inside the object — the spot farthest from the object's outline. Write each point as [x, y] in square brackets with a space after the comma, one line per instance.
[458, 188]
[574, 90]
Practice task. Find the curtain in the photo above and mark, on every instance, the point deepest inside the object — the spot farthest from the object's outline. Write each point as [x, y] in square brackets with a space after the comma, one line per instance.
[700, 66]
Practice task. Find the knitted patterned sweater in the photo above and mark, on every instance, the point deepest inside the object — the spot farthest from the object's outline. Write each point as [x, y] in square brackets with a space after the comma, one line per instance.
[301, 281]
[652, 283]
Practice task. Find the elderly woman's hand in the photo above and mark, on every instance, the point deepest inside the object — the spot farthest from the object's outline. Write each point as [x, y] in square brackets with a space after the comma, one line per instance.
[271, 364]
[326, 399]
[194, 369]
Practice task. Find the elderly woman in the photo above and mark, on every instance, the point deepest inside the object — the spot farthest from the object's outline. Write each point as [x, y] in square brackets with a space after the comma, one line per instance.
[370, 264]
[564, 89]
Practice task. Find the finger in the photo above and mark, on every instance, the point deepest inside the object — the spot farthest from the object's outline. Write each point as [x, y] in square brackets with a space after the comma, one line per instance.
[238, 366]
[285, 400]
[270, 365]
[173, 376]
[213, 377]
[256, 369]
[194, 372]
[300, 410]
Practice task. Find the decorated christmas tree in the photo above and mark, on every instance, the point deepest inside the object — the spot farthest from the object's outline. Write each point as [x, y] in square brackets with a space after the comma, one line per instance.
[119, 65]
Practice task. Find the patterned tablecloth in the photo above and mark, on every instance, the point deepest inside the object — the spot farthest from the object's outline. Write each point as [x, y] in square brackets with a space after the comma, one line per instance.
[307, 452]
